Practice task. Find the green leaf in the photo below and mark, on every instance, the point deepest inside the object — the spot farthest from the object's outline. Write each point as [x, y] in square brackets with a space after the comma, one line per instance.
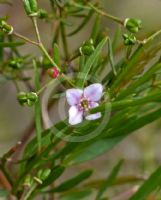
[127, 67]
[56, 172]
[148, 186]
[11, 44]
[147, 75]
[56, 54]
[84, 22]
[119, 181]
[90, 150]
[152, 97]
[90, 61]
[111, 59]
[37, 107]
[69, 184]
[109, 181]
[96, 28]
[76, 195]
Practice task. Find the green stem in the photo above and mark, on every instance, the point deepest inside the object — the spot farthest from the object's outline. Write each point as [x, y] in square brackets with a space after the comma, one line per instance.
[43, 49]
[37, 108]
[28, 194]
[25, 38]
[152, 37]
[101, 12]
[64, 38]
[34, 20]
[45, 86]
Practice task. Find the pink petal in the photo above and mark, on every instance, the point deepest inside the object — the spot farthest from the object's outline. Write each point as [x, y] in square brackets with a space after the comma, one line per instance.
[73, 96]
[93, 116]
[75, 115]
[93, 92]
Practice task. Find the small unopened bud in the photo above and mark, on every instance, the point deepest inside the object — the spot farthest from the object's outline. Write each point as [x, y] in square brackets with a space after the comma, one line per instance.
[133, 25]
[28, 99]
[129, 39]
[31, 98]
[53, 72]
[22, 98]
[16, 63]
[6, 28]
[31, 7]
[42, 14]
[87, 48]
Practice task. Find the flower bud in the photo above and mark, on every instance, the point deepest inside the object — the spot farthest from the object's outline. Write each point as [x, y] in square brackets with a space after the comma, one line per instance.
[133, 25]
[28, 99]
[87, 48]
[42, 14]
[129, 39]
[16, 63]
[22, 98]
[6, 28]
[31, 98]
[53, 72]
[30, 7]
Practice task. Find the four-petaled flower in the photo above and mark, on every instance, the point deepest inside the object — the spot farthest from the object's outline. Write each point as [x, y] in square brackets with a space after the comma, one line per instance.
[83, 100]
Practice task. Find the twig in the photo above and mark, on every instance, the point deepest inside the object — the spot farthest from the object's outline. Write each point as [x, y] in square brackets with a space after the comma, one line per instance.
[25, 38]
[103, 13]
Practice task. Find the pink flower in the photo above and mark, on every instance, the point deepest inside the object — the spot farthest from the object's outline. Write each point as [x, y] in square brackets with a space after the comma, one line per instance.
[83, 100]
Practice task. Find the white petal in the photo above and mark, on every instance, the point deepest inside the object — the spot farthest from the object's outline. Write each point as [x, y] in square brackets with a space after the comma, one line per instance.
[75, 115]
[93, 116]
[73, 96]
[93, 92]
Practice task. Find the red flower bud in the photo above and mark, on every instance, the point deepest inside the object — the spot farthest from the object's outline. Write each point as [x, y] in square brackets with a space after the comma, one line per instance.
[53, 72]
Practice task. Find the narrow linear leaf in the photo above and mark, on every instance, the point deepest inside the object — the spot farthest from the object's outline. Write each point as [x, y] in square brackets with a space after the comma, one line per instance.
[72, 182]
[133, 60]
[148, 186]
[76, 195]
[111, 59]
[56, 54]
[96, 27]
[154, 97]
[56, 172]
[109, 181]
[11, 44]
[90, 150]
[84, 22]
[140, 81]
[90, 61]
[37, 107]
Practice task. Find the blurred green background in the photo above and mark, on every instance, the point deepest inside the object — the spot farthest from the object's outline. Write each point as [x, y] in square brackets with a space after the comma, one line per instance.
[141, 150]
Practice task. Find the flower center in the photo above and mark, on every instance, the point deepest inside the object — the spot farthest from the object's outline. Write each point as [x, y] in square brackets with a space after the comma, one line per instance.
[84, 104]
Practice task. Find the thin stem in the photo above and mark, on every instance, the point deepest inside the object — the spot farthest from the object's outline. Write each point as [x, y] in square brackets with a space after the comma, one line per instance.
[16, 85]
[45, 86]
[103, 13]
[27, 194]
[5, 172]
[25, 38]
[64, 38]
[43, 49]
[41, 46]
[34, 20]
[154, 35]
